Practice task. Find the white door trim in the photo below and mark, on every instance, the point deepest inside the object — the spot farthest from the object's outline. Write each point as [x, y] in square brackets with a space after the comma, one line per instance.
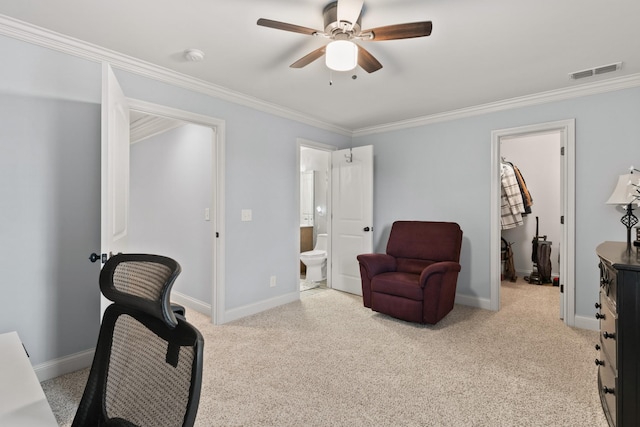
[218, 196]
[567, 250]
[301, 142]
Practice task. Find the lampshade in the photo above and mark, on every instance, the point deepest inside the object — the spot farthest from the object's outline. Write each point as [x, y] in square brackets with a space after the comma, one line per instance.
[624, 192]
[342, 55]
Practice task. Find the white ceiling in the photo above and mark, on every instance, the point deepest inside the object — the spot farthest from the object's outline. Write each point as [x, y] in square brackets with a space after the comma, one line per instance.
[479, 51]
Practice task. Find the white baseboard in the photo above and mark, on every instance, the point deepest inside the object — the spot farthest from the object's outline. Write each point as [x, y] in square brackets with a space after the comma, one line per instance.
[583, 322]
[472, 301]
[64, 365]
[191, 303]
[248, 310]
[73, 362]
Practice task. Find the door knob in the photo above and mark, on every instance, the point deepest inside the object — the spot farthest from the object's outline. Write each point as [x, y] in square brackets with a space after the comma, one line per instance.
[95, 257]
[366, 229]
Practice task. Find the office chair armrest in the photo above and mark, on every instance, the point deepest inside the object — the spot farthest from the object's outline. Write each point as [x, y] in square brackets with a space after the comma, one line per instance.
[178, 309]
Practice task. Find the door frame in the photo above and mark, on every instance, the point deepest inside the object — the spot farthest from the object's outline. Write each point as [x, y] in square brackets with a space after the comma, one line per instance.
[301, 142]
[566, 128]
[218, 195]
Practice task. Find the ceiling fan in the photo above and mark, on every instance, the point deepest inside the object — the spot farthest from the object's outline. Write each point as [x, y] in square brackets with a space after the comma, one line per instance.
[342, 25]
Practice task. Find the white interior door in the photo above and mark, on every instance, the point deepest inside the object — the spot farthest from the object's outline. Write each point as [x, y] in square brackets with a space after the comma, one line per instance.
[115, 169]
[352, 223]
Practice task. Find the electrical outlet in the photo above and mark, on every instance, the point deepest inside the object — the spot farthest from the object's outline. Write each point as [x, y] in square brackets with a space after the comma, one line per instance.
[246, 215]
[272, 281]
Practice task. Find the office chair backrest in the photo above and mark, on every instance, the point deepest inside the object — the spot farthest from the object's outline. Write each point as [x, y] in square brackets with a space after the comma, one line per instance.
[147, 369]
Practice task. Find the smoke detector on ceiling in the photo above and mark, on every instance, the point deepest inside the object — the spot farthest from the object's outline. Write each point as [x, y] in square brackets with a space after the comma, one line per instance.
[595, 71]
[194, 55]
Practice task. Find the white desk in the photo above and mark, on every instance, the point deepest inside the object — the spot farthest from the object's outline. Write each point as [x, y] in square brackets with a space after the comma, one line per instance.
[22, 401]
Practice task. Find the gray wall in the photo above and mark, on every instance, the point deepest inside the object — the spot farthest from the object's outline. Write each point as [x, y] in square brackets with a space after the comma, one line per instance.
[50, 207]
[442, 172]
[169, 190]
[260, 175]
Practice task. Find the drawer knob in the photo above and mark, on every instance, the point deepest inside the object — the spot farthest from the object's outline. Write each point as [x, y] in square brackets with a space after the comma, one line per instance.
[607, 335]
[599, 362]
[598, 347]
[598, 305]
[599, 316]
[608, 390]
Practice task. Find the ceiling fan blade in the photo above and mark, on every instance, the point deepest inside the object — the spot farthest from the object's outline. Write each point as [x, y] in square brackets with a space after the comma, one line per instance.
[401, 31]
[349, 10]
[309, 58]
[367, 61]
[286, 27]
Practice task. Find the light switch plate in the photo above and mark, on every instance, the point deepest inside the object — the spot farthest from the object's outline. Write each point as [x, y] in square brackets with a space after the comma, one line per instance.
[246, 215]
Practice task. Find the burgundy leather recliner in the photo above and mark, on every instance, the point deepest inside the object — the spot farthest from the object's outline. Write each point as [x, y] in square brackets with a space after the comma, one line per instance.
[416, 279]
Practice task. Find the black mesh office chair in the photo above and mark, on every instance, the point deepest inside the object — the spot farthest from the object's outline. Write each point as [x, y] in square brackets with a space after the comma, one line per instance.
[147, 368]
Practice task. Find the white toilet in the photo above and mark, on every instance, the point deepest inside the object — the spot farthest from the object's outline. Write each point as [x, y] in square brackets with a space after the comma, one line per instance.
[316, 260]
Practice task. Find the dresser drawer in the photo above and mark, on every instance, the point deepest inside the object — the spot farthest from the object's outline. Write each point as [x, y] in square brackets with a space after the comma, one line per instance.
[608, 328]
[609, 283]
[607, 383]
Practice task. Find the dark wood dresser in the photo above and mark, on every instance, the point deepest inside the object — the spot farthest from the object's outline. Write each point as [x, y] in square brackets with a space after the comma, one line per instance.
[619, 344]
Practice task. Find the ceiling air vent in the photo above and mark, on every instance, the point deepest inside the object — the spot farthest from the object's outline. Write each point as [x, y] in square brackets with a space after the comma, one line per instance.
[595, 71]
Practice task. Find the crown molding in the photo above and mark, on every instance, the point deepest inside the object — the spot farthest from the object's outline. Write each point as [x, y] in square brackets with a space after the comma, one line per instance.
[619, 83]
[24, 31]
[149, 126]
[40, 36]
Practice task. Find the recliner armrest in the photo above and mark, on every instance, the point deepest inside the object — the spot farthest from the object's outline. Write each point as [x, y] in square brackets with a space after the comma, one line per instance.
[375, 264]
[438, 268]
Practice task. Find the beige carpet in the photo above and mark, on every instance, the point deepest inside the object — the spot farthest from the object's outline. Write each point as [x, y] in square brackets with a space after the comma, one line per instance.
[327, 361]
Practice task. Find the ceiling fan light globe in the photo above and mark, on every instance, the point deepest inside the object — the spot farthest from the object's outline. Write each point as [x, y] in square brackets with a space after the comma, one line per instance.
[341, 55]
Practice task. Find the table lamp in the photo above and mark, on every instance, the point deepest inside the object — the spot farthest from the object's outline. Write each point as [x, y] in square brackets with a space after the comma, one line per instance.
[626, 194]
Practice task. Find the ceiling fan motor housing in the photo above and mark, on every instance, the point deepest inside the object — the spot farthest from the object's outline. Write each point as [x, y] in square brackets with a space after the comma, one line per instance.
[334, 28]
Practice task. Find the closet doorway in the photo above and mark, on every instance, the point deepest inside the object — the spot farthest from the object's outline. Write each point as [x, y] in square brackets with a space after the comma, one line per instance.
[544, 154]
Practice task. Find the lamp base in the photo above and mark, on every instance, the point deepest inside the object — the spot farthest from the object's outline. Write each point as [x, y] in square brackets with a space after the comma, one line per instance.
[629, 220]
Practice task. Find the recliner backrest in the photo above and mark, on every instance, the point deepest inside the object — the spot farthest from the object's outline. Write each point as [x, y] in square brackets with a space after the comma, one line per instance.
[416, 244]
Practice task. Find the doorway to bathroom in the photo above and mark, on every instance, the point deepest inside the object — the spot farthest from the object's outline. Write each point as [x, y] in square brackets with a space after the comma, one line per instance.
[315, 215]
